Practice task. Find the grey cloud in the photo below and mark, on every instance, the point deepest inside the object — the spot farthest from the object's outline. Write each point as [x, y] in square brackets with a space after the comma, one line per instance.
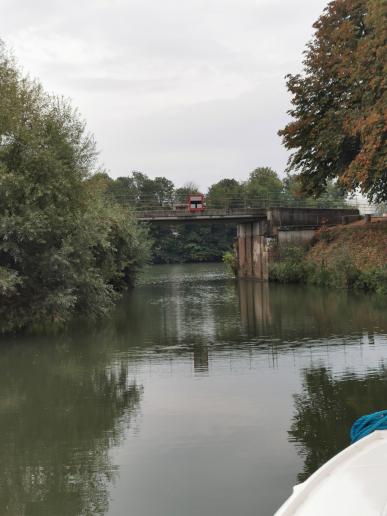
[184, 88]
[204, 142]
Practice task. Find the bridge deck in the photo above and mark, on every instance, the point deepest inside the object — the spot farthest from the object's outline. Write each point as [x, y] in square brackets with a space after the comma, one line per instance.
[209, 215]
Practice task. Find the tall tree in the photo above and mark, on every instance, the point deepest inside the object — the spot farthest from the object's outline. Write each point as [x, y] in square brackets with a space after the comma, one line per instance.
[63, 249]
[333, 195]
[263, 185]
[140, 191]
[184, 191]
[339, 102]
[226, 193]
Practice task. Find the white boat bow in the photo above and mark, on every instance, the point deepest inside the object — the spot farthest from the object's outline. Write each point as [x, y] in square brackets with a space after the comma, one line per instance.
[352, 483]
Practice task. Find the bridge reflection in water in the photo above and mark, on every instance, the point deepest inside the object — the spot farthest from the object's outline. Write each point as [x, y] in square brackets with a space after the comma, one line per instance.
[254, 303]
[200, 357]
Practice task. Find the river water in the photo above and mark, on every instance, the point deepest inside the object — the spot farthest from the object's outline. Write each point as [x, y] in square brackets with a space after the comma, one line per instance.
[202, 397]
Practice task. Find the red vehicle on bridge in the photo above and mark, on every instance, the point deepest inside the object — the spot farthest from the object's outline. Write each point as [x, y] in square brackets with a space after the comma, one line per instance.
[196, 203]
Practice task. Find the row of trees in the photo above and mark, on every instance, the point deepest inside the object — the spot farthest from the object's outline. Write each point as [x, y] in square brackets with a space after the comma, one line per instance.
[140, 192]
[64, 248]
[198, 243]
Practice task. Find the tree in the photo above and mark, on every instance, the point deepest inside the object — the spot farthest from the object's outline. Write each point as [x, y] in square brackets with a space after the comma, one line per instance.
[226, 193]
[339, 103]
[164, 191]
[333, 195]
[263, 185]
[140, 191]
[183, 192]
[64, 249]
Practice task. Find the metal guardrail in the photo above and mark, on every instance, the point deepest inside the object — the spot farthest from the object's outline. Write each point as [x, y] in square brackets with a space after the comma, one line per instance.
[153, 203]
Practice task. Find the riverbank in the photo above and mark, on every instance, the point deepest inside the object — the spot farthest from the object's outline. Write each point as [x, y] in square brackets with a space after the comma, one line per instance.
[353, 256]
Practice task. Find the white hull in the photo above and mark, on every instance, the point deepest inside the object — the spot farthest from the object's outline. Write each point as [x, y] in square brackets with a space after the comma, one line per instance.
[353, 483]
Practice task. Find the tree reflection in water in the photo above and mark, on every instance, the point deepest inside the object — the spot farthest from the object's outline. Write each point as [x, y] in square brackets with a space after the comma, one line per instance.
[61, 411]
[326, 409]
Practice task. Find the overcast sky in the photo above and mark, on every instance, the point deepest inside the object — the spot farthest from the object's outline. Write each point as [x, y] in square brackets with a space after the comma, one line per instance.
[189, 89]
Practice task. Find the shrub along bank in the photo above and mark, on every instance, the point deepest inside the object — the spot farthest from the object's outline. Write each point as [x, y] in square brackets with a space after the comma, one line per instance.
[64, 249]
[341, 257]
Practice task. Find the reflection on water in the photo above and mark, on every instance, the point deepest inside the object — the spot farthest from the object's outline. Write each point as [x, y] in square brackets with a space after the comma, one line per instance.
[61, 409]
[202, 396]
[326, 409]
[294, 312]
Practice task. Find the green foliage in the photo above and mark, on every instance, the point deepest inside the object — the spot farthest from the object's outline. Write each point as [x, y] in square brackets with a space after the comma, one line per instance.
[183, 192]
[9, 281]
[191, 242]
[230, 259]
[170, 244]
[290, 266]
[64, 250]
[293, 193]
[226, 193]
[338, 103]
[374, 280]
[263, 183]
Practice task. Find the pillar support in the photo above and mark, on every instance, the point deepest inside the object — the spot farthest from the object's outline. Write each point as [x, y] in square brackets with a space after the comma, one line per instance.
[252, 250]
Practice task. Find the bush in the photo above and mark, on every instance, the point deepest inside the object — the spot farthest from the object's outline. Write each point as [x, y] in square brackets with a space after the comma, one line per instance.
[290, 266]
[373, 280]
[230, 259]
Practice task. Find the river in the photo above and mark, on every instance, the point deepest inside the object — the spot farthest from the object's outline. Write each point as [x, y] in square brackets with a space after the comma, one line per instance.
[201, 397]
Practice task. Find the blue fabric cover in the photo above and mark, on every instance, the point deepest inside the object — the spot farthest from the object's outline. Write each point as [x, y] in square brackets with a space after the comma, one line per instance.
[367, 424]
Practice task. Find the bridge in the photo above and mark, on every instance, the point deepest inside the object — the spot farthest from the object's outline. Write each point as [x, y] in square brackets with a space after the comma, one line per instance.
[209, 216]
[261, 222]
[258, 228]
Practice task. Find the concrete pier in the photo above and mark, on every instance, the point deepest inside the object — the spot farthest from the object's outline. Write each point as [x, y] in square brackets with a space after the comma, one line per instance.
[284, 226]
[253, 255]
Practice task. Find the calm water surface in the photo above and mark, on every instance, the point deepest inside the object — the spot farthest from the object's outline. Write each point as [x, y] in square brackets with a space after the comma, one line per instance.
[203, 397]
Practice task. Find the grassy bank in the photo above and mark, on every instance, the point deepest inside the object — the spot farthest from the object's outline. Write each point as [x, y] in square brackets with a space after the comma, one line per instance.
[352, 256]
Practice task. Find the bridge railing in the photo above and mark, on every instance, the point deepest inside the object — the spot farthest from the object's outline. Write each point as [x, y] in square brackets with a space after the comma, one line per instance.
[177, 205]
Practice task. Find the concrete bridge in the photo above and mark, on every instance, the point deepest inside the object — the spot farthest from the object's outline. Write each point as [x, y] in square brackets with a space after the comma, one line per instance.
[209, 215]
[258, 229]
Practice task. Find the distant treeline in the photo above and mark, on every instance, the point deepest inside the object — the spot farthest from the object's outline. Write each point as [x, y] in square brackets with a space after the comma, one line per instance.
[197, 242]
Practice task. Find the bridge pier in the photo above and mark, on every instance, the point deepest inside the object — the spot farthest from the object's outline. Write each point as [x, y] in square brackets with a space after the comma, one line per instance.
[252, 250]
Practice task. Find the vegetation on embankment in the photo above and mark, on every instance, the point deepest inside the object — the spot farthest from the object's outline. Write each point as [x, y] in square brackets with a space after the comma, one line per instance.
[64, 249]
[352, 256]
